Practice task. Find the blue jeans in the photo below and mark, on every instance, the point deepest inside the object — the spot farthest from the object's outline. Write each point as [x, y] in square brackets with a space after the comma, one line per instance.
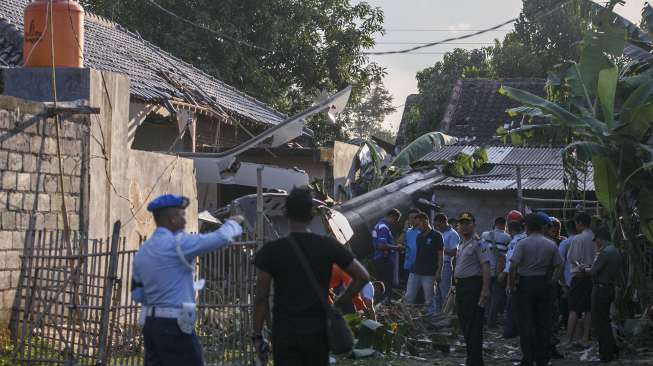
[416, 281]
[167, 345]
[442, 291]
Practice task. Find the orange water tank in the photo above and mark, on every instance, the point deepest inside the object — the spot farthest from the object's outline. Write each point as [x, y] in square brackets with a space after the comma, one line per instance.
[68, 22]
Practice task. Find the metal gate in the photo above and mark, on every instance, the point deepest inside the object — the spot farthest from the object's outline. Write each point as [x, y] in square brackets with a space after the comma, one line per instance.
[74, 307]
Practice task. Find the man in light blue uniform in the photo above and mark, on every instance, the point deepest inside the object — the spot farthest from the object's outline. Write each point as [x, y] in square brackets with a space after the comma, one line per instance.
[516, 231]
[496, 241]
[409, 240]
[451, 241]
[162, 280]
[564, 249]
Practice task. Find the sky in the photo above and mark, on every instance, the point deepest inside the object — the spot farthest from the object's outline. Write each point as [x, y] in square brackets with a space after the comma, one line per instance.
[432, 20]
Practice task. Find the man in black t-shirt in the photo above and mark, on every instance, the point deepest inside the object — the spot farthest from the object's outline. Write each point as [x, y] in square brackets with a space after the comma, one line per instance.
[426, 271]
[299, 321]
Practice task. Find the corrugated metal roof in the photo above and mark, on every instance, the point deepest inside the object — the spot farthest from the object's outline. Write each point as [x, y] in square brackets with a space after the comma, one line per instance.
[505, 155]
[541, 169]
[155, 75]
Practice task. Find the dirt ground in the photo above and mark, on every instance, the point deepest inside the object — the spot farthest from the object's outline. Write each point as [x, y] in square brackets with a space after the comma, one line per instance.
[499, 351]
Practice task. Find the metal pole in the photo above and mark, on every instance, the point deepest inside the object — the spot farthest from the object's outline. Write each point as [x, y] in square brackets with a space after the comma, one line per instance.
[260, 231]
[520, 197]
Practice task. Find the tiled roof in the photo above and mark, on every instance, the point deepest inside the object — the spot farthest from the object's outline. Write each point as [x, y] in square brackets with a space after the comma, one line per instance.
[11, 44]
[155, 74]
[476, 109]
[541, 169]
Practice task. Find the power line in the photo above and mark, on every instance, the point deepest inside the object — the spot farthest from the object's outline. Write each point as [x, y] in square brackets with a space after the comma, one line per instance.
[469, 35]
[221, 35]
[443, 30]
[454, 43]
[430, 44]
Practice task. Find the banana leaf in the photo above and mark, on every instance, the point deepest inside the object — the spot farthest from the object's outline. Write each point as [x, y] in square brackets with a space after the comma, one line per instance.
[605, 183]
[420, 147]
[606, 91]
[557, 112]
[640, 96]
[640, 122]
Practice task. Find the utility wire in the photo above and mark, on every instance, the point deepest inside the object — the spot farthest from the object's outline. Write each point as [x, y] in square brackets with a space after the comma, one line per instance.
[442, 30]
[454, 43]
[221, 35]
[469, 35]
[430, 44]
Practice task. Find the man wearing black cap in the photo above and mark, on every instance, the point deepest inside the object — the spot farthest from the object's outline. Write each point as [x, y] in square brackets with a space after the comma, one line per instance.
[472, 280]
[162, 280]
[537, 261]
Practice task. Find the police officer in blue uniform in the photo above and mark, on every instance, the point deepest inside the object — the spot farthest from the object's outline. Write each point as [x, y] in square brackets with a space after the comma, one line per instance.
[472, 279]
[162, 280]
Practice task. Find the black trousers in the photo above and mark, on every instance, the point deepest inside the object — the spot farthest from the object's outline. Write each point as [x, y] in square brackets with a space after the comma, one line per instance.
[385, 273]
[300, 350]
[470, 317]
[602, 297]
[167, 345]
[510, 329]
[497, 301]
[533, 302]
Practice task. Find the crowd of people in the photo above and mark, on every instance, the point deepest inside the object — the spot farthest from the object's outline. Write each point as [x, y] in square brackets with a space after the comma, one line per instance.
[522, 273]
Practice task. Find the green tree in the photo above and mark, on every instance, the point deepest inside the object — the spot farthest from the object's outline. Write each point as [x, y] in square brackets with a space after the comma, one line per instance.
[610, 115]
[552, 38]
[366, 117]
[537, 44]
[512, 59]
[306, 47]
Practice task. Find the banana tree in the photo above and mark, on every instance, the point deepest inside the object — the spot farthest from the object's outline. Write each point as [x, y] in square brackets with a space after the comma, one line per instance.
[609, 113]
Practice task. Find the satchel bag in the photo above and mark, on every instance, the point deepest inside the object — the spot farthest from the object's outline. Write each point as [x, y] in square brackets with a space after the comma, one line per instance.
[339, 335]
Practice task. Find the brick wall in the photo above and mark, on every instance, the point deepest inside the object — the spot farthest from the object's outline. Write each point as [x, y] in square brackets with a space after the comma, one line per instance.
[30, 197]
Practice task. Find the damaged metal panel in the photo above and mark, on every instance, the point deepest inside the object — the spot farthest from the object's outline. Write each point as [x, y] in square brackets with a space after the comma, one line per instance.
[208, 170]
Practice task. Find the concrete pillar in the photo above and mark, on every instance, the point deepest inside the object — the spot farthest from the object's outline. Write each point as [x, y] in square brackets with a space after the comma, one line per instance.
[108, 132]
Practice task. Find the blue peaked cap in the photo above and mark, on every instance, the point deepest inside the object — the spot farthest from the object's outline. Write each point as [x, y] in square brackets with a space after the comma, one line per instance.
[544, 218]
[166, 201]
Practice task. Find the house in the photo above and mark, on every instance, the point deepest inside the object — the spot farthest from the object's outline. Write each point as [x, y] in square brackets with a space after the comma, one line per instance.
[492, 190]
[174, 107]
[476, 109]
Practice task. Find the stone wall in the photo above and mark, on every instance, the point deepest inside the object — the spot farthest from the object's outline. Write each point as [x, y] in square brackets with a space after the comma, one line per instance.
[30, 197]
[104, 180]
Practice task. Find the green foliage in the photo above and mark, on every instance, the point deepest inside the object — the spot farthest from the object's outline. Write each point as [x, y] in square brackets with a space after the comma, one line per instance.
[315, 45]
[610, 115]
[366, 116]
[463, 164]
[420, 147]
[375, 171]
[535, 46]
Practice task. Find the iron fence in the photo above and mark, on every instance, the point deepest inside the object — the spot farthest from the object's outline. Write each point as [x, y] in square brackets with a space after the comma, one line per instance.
[74, 306]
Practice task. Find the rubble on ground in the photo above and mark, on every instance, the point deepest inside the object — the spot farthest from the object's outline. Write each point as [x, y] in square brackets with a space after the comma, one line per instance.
[407, 335]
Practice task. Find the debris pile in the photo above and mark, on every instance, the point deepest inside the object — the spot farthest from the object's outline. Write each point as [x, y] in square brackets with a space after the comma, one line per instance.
[408, 333]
